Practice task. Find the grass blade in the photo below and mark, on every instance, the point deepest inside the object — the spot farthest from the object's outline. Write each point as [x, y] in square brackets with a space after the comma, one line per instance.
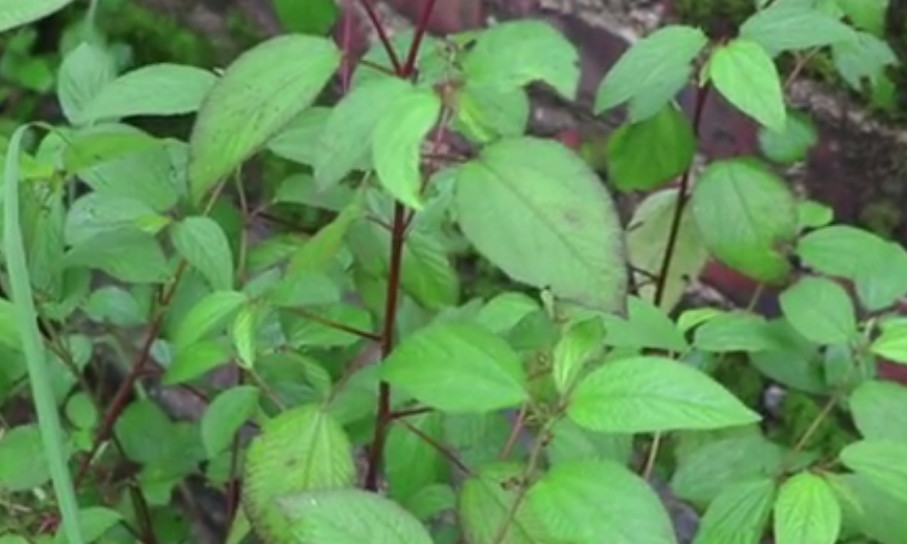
[32, 345]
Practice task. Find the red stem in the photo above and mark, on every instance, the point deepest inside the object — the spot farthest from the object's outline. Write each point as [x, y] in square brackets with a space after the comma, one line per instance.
[702, 94]
[382, 34]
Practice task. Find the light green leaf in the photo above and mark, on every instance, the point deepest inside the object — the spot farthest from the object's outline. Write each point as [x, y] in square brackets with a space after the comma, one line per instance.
[516, 53]
[738, 515]
[95, 521]
[346, 140]
[302, 449]
[793, 142]
[411, 463]
[194, 360]
[820, 310]
[647, 240]
[652, 394]
[812, 214]
[15, 13]
[98, 213]
[225, 415]
[158, 89]
[872, 511]
[114, 305]
[745, 74]
[207, 315]
[319, 251]
[868, 15]
[85, 71]
[457, 367]
[128, 255]
[23, 465]
[879, 410]
[259, 93]
[203, 243]
[485, 503]
[570, 442]
[881, 462]
[651, 72]
[735, 331]
[807, 510]
[244, 334]
[537, 211]
[145, 432]
[300, 140]
[428, 275]
[503, 312]
[789, 26]
[644, 327]
[580, 502]
[81, 411]
[485, 113]
[431, 500]
[745, 215]
[350, 516]
[397, 143]
[652, 152]
[578, 344]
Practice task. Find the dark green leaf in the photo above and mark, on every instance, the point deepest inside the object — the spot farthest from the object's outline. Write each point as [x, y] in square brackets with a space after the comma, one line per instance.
[738, 515]
[538, 212]
[820, 310]
[145, 432]
[203, 243]
[807, 510]
[225, 415]
[307, 16]
[652, 394]
[457, 367]
[23, 465]
[744, 74]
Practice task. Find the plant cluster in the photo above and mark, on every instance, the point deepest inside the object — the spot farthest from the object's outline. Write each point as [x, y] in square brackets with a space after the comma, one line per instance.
[360, 397]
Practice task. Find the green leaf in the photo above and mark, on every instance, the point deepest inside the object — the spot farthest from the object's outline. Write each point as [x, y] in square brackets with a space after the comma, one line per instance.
[114, 305]
[194, 360]
[428, 275]
[503, 312]
[735, 331]
[99, 213]
[708, 471]
[158, 89]
[203, 243]
[644, 327]
[432, 500]
[347, 137]
[302, 449]
[570, 442]
[485, 503]
[820, 310]
[793, 142]
[486, 113]
[879, 410]
[537, 211]
[457, 367]
[128, 255]
[794, 361]
[85, 71]
[738, 515]
[651, 72]
[15, 13]
[145, 432]
[307, 17]
[264, 88]
[647, 240]
[95, 521]
[397, 143]
[652, 394]
[745, 215]
[350, 516]
[582, 501]
[516, 53]
[207, 315]
[868, 15]
[872, 512]
[81, 411]
[877, 266]
[300, 140]
[23, 465]
[225, 415]
[789, 26]
[244, 335]
[881, 462]
[319, 251]
[812, 214]
[807, 510]
[746, 76]
[578, 344]
[863, 58]
[650, 153]
[411, 463]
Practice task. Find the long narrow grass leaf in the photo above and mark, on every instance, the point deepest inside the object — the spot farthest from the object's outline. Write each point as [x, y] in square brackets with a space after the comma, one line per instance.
[26, 319]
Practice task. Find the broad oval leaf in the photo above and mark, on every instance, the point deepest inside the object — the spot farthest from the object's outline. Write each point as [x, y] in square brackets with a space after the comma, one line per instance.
[790, 26]
[225, 415]
[15, 13]
[650, 153]
[807, 510]
[879, 410]
[651, 72]
[203, 243]
[457, 367]
[881, 462]
[302, 449]
[85, 71]
[194, 360]
[513, 54]
[745, 216]
[23, 462]
[744, 74]
[653, 394]
[820, 310]
[580, 502]
[350, 516]
[791, 144]
[259, 93]
[578, 344]
[158, 89]
[537, 211]
[739, 515]
[397, 144]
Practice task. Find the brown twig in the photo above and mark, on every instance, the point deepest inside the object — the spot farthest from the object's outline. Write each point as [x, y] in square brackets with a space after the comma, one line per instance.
[382, 34]
[515, 432]
[449, 455]
[336, 325]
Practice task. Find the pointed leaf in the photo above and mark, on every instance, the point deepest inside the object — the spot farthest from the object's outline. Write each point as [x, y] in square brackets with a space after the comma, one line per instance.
[579, 343]
[791, 144]
[411, 463]
[15, 13]
[259, 93]
[203, 243]
[880, 410]
[97, 213]
[194, 360]
[85, 71]
[744, 74]
[807, 510]
[300, 140]
[820, 310]
[225, 415]
[881, 462]
[739, 515]
[651, 394]
[457, 367]
[790, 26]
[537, 211]
[207, 315]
